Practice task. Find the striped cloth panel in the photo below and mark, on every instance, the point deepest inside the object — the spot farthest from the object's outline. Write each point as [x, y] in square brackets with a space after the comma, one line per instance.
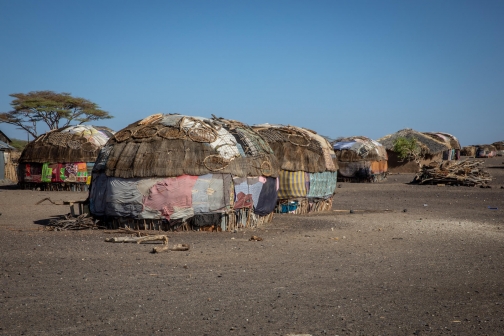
[292, 184]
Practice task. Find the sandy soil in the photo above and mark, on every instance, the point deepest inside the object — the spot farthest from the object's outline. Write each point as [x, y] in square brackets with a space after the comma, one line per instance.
[436, 269]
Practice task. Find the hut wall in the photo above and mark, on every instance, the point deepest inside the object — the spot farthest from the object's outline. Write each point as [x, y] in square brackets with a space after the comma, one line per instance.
[359, 171]
[217, 200]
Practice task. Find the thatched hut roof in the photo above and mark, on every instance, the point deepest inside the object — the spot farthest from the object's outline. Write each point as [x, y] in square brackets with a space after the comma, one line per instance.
[499, 145]
[172, 145]
[428, 144]
[468, 151]
[358, 148]
[447, 138]
[79, 143]
[298, 148]
[487, 147]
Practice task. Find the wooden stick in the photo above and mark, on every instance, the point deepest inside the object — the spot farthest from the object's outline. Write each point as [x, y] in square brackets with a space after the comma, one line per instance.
[138, 240]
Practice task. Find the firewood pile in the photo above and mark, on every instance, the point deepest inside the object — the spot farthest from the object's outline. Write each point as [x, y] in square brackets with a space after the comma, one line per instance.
[69, 222]
[466, 173]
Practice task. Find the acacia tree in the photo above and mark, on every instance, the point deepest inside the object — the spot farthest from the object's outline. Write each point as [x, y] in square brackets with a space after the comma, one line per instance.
[55, 109]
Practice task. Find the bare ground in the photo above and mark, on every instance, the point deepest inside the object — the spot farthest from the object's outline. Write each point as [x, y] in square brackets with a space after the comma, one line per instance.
[436, 269]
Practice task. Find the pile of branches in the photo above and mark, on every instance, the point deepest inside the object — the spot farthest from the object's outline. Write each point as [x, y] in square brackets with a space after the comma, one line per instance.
[69, 222]
[467, 173]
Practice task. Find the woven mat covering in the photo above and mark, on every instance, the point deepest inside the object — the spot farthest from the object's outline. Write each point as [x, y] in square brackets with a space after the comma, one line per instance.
[145, 132]
[59, 138]
[123, 135]
[89, 147]
[273, 135]
[74, 144]
[171, 133]
[151, 119]
[299, 140]
[215, 162]
[201, 132]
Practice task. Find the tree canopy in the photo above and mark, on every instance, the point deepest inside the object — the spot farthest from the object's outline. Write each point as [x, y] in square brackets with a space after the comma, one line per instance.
[407, 148]
[54, 109]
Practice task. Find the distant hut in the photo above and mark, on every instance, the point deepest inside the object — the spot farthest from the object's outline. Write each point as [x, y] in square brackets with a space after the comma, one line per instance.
[468, 151]
[453, 152]
[429, 148]
[308, 165]
[6, 168]
[360, 159]
[62, 159]
[499, 146]
[173, 171]
[486, 151]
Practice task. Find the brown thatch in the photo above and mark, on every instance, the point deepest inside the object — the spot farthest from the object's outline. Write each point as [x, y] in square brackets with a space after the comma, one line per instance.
[164, 147]
[468, 151]
[61, 146]
[447, 138]
[499, 145]
[299, 149]
[428, 144]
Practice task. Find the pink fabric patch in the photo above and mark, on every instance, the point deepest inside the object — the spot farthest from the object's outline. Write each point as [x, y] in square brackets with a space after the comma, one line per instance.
[169, 193]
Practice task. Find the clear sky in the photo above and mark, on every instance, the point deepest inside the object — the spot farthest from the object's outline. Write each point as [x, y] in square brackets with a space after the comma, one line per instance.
[341, 68]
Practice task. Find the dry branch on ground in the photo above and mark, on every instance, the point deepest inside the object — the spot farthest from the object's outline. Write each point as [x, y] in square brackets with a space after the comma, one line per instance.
[467, 173]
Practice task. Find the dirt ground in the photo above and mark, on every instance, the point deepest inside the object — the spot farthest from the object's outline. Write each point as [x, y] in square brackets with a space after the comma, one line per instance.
[436, 269]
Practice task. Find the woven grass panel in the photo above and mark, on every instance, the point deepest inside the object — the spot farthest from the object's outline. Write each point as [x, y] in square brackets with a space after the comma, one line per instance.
[296, 158]
[45, 152]
[78, 143]
[157, 150]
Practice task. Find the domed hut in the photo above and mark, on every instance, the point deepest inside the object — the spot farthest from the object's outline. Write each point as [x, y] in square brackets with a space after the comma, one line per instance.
[499, 146]
[170, 171]
[486, 151]
[468, 151]
[454, 148]
[62, 159]
[408, 150]
[360, 159]
[308, 168]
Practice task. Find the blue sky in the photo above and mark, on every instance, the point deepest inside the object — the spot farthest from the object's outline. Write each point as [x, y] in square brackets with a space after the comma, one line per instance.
[341, 68]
